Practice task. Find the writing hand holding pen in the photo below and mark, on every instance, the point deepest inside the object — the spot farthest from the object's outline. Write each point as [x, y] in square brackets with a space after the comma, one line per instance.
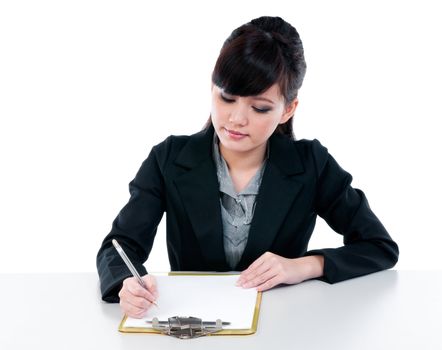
[135, 300]
[138, 293]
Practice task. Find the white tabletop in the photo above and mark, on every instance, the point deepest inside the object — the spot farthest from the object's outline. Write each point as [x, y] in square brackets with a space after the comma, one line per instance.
[385, 310]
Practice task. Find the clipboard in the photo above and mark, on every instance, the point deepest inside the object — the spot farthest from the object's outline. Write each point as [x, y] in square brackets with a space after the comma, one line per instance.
[126, 326]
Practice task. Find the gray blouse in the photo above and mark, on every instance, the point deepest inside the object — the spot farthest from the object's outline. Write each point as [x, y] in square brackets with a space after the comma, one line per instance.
[236, 208]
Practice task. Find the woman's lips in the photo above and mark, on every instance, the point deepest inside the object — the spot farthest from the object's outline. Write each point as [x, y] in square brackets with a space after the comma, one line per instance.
[235, 134]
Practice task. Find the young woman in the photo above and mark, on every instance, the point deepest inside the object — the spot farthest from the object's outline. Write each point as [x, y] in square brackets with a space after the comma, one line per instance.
[243, 194]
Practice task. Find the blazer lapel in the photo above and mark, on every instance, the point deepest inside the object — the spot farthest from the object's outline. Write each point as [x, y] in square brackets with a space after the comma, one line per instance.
[277, 192]
[199, 190]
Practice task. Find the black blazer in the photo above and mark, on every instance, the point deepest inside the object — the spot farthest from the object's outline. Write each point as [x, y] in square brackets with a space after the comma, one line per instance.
[301, 180]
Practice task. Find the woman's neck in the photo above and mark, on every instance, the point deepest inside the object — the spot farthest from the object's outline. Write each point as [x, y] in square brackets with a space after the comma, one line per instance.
[244, 161]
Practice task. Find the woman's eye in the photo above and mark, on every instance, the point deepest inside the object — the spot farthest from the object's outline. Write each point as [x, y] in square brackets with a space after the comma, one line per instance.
[261, 110]
[226, 99]
[257, 110]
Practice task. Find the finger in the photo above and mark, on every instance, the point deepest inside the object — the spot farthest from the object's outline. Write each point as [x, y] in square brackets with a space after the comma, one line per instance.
[135, 313]
[260, 279]
[245, 275]
[269, 283]
[127, 297]
[258, 262]
[258, 271]
[151, 284]
[137, 290]
[132, 310]
[139, 302]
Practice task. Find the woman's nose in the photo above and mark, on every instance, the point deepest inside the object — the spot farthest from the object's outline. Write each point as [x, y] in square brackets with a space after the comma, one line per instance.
[238, 116]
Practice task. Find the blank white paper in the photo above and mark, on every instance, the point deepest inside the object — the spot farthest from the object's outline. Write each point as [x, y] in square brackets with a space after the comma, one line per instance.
[205, 297]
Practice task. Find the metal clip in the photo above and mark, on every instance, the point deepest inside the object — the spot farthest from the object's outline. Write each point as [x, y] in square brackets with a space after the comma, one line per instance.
[186, 327]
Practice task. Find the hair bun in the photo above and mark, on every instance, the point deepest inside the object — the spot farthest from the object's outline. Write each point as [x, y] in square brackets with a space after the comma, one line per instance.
[278, 28]
[268, 23]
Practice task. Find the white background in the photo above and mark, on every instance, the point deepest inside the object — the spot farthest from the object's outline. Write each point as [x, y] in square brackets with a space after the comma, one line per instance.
[88, 87]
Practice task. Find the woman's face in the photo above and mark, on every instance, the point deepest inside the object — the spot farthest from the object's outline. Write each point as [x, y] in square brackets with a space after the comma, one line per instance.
[245, 123]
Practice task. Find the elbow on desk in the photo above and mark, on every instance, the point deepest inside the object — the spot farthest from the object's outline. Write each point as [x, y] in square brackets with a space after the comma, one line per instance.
[389, 253]
[358, 259]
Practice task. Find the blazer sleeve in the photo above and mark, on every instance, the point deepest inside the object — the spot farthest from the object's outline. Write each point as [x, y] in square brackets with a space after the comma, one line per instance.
[367, 245]
[134, 228]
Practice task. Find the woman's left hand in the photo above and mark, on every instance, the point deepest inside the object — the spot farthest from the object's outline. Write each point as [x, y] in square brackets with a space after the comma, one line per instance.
[270, 270]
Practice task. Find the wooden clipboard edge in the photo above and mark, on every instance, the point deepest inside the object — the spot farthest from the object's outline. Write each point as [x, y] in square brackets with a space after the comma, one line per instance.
[247, 331]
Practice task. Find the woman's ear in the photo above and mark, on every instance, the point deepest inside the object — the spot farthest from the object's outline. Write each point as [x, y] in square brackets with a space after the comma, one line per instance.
[289, 111]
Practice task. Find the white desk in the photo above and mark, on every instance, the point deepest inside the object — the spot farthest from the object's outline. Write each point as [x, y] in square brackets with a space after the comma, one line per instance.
[386, 310]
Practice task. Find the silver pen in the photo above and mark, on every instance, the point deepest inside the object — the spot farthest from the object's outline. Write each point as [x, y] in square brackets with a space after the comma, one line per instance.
[130, 266]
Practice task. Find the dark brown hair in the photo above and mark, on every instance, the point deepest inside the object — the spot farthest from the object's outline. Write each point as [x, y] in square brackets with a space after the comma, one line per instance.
[258, 54]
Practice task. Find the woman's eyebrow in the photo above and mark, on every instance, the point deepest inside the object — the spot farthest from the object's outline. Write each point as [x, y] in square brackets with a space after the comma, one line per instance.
[262, 99]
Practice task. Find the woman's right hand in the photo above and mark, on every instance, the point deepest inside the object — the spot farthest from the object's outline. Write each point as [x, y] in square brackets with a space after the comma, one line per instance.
[136, 300]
